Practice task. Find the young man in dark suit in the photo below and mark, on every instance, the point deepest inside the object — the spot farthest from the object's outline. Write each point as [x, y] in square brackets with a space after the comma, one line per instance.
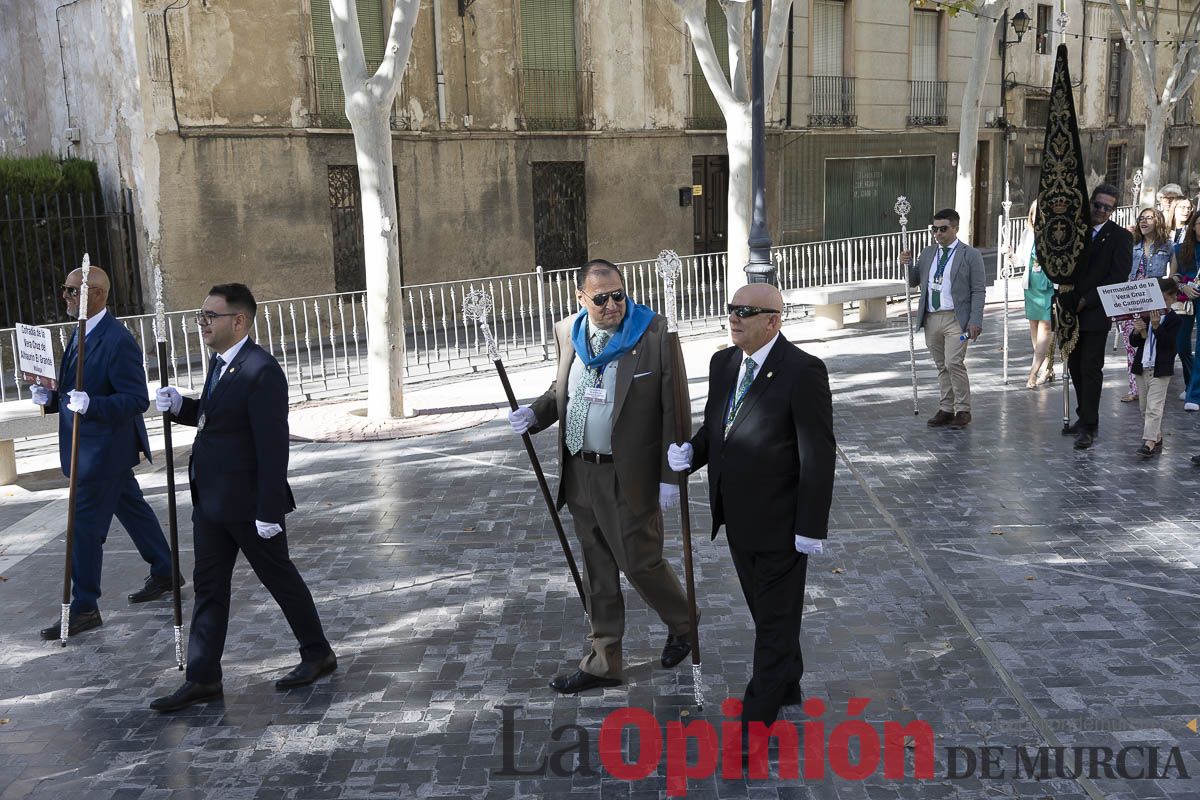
[767, 439]
[113, 438]
[240, 494]
[1110, 257]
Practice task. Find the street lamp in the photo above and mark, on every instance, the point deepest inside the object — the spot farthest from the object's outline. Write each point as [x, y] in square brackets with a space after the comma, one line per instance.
[1020, 24]
[760, 269]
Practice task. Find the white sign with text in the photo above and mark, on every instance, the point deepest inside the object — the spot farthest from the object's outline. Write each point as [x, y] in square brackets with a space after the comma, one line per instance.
[1125, 300]
[35, 355]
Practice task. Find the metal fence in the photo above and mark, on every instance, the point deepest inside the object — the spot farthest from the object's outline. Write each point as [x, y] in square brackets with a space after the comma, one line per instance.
[926, 103]
[832, 102]
[321, 341]
[1123, 216]
[42, 236]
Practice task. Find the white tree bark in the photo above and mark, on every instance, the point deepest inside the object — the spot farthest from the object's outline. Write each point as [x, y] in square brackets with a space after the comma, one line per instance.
[369, 100]
[1139, 23]
[733, 97]
[968, 126]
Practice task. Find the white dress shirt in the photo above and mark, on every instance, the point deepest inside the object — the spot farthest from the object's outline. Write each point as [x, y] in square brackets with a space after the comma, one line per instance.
[597, 429]
[946, 301]
[229, 355]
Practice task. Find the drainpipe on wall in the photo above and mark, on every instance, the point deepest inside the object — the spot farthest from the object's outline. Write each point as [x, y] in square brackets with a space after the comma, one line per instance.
[437, 58]
[790, 33]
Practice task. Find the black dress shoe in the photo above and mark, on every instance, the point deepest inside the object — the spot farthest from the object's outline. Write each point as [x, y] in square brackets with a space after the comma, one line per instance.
[1196, 460]
[154, 588]
[79, 622]
[188, 695]
[580, 681]
[307, 671]
[675, 650]
[1084, 440]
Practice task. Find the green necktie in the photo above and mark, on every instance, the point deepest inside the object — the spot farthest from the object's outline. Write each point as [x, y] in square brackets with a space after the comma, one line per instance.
[937, 277]
[577, 415]
[743, 386]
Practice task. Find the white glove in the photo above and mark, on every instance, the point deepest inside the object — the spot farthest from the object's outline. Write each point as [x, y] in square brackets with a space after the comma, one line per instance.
[79, 401]
[40, 395]
[668, 496]
[168, 398]
[522, 420]
[811, 547]
[679, 456]
[267, 529]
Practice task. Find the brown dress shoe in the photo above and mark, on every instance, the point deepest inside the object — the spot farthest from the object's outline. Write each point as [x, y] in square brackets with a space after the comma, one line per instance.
[961, 420]
[939, 419]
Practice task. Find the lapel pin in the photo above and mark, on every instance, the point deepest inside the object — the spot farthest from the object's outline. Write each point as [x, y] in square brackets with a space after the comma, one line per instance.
[234, 369]
[769, 374]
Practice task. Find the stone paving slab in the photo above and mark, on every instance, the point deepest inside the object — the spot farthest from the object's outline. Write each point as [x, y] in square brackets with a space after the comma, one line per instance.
[993, 582]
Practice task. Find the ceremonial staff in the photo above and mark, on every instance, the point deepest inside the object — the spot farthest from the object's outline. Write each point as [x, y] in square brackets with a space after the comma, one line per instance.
[668, 267]
[902, 208]
[477, 306]
[160, 333]
[1005, 268]
[80, 339]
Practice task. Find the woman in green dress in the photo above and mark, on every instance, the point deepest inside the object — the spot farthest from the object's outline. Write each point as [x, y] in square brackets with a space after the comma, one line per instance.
[1038, 292]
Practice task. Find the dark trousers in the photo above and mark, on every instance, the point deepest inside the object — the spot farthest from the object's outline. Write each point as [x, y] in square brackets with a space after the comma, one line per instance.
[216, 546]
[96, 503]
[773, 584]
[1087, 375]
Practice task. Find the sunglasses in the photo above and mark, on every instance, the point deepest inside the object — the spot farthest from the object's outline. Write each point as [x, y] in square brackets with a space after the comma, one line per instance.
[73, 291]
[601, 299]
[1105, 207]
[750, 311]
[939, 228]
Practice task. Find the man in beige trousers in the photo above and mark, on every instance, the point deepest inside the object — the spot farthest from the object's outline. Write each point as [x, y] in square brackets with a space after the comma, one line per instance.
[613, 399]
[950, 274]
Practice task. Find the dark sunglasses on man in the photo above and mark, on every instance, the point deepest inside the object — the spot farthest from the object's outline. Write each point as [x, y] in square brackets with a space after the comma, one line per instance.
[939, 228]
[750, 311]
[1105, 207]
[601, 299]
[73, 291]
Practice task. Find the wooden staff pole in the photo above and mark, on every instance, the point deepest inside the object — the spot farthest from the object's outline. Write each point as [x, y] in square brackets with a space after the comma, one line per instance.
[160, 329]
[77, 418]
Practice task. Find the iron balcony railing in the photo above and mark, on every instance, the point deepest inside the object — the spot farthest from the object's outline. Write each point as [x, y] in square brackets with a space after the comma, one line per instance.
[321, 341]
[832, 102]
[331, 99]
[555, 99]
[926, 103]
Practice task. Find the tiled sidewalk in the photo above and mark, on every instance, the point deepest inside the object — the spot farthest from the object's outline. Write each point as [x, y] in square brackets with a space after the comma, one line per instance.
[993, 582]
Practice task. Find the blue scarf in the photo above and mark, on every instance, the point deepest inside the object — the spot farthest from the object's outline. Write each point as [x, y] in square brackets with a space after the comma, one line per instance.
[637, 319]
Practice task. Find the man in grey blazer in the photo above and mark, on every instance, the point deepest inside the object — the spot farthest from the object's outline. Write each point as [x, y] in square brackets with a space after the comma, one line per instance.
[613, 400]
[950, 274]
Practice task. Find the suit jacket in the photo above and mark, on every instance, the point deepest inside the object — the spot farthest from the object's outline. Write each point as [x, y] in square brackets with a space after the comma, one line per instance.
[1164, 349]
[112, 435]
[643, 413]
[239, 459]
[771, 477]
[967, 283]
[1109, 260]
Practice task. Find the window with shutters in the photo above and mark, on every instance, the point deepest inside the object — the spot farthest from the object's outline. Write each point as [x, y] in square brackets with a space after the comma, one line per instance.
[555, 94]
[927, 94]
[832, 91]
[1037, 111]
[1116, 76]
[706, 114]
[1042, 31]
[331, 100]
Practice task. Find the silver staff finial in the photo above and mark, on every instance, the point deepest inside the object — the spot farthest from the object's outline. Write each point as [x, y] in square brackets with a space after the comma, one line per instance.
[477, 307]
[669, 267]
[86, 266]
[160, 311]
[902, 208]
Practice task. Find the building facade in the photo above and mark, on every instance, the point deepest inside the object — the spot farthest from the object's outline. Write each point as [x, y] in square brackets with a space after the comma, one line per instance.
[527, 132]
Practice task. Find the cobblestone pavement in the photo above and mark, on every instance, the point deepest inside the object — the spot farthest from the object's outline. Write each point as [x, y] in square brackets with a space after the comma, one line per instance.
[993, 582]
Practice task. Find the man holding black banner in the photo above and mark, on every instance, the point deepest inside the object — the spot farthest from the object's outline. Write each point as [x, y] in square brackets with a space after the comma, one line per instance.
[1109, 258]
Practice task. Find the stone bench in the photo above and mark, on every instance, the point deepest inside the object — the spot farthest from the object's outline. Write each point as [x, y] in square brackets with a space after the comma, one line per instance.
[19, 419]
[829, 300]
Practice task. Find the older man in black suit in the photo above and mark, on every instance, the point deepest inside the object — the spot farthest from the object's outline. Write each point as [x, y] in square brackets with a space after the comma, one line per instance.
[240, 495]
[1110, 257]
[767, 439]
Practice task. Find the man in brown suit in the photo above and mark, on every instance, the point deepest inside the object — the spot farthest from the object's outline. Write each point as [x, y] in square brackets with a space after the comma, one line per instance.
[613, 397]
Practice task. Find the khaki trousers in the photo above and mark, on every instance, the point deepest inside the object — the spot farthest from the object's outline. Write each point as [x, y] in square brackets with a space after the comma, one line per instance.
[942, 333]
[615, 540]
[1152, 397]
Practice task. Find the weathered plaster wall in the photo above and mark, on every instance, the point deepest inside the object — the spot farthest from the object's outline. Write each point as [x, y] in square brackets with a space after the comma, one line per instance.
[256, 209]
[25, 107]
